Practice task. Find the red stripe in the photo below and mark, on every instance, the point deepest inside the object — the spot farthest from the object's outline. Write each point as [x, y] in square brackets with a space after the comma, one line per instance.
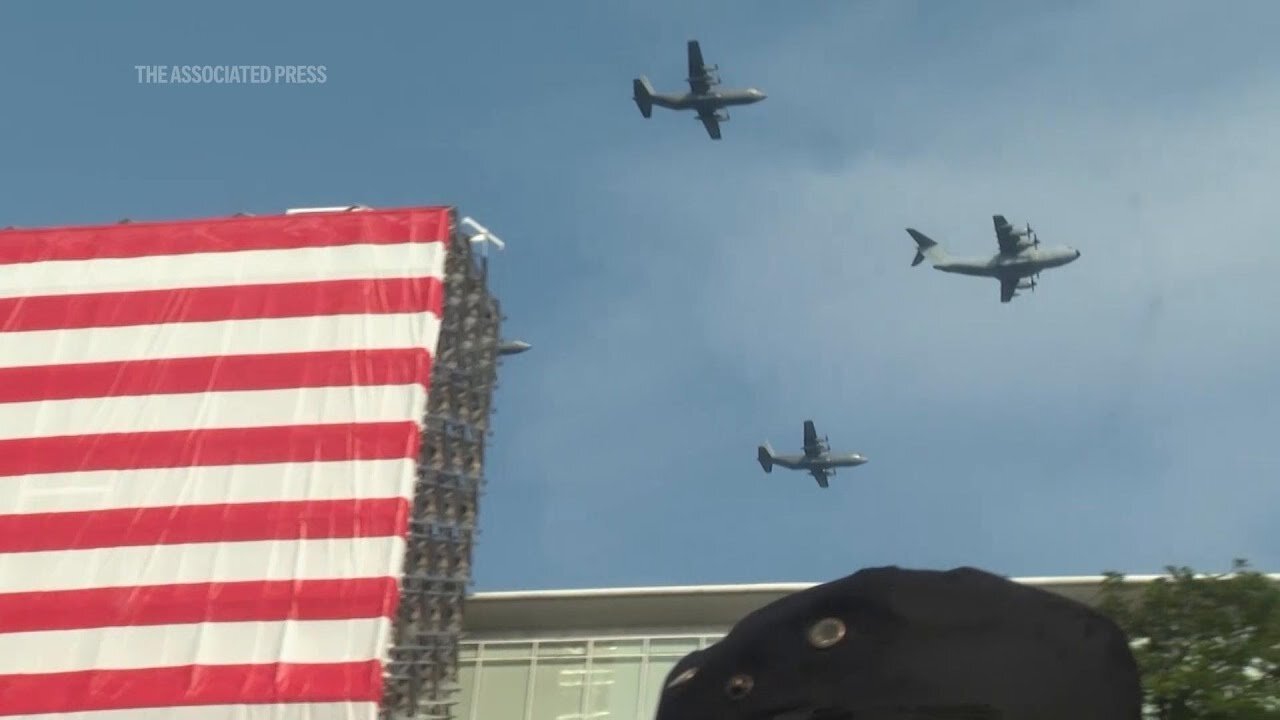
[204, 448]
[211, 304]
[279, 232]
[339, 368]
[252, 601]
[182, 524]
[190, 685]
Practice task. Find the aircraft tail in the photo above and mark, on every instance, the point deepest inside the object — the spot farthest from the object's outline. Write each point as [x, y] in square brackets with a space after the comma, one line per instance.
[765, 455]
[642, 93]
[926, 248]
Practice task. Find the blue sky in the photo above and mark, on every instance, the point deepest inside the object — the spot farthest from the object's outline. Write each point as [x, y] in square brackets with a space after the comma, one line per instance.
[689, 299]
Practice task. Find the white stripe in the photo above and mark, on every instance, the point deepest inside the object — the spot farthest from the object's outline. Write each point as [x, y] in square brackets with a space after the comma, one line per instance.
[166, 487]
[213, 410]
[245, 267]
[225, 337]
[218, 643]
[284, 711]
[322, 559]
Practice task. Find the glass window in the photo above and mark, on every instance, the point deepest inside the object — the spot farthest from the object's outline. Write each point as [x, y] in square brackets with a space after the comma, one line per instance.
[562, 649]
[467, 683]
[503, 686]
[557, 690]
[652, 688]
[613, 687]
[618, 647]
[506, 651]
[672, 646]
[467, 651]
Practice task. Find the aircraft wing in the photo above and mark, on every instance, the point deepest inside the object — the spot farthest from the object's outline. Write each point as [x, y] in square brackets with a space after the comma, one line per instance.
[1007, 288]
[711, 123]
[810, 436]
[821, 476]
[699, 80]
[1004, 235]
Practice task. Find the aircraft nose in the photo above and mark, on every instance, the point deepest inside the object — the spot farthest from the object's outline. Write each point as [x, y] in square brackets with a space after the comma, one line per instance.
[1077, 253]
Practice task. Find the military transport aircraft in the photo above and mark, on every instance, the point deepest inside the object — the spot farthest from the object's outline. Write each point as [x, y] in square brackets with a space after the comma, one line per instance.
[707, 102]
[817, 458]
[1016, 266]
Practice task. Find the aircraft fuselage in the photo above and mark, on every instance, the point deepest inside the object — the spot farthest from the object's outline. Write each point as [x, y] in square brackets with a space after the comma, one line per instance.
[1025, 263]
[832, 461]
[708, 102]
[821, 462]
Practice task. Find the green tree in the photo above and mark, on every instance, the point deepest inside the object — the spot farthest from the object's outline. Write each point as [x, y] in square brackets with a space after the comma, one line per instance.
[1208, 645]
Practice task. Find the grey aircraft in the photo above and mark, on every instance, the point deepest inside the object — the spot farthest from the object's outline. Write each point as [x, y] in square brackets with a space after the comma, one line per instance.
[817, 458]
[512, 347]
[1016, 265]
[710, 104]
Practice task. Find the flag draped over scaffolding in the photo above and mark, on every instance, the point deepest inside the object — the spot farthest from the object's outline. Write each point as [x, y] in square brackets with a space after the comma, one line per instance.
[208, 435]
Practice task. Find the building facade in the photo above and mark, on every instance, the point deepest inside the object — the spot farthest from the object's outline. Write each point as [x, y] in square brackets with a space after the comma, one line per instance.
[601, 677]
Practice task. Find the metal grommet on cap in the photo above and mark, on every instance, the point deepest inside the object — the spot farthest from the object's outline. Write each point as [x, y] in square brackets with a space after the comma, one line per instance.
[683, 677]
[738, 686]
[826, 632]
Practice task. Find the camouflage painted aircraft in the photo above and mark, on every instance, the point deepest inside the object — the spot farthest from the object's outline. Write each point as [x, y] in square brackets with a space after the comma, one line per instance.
[817, 458]
[1016, 265]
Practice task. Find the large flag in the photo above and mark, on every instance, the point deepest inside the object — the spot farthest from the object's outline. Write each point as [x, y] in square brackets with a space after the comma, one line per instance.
[208, 437]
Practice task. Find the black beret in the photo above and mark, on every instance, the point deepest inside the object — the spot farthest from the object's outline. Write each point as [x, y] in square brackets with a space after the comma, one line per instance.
[894, 643]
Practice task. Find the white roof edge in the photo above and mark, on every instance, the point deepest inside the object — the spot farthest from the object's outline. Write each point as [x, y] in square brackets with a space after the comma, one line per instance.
[639, 591]
[669, 590]
[331, 209]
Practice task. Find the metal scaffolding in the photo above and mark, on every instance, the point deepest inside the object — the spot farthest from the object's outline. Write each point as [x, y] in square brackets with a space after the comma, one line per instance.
[421, 674]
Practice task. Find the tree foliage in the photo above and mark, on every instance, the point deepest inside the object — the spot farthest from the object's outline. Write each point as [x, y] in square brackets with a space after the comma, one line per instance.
[1208, 645]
